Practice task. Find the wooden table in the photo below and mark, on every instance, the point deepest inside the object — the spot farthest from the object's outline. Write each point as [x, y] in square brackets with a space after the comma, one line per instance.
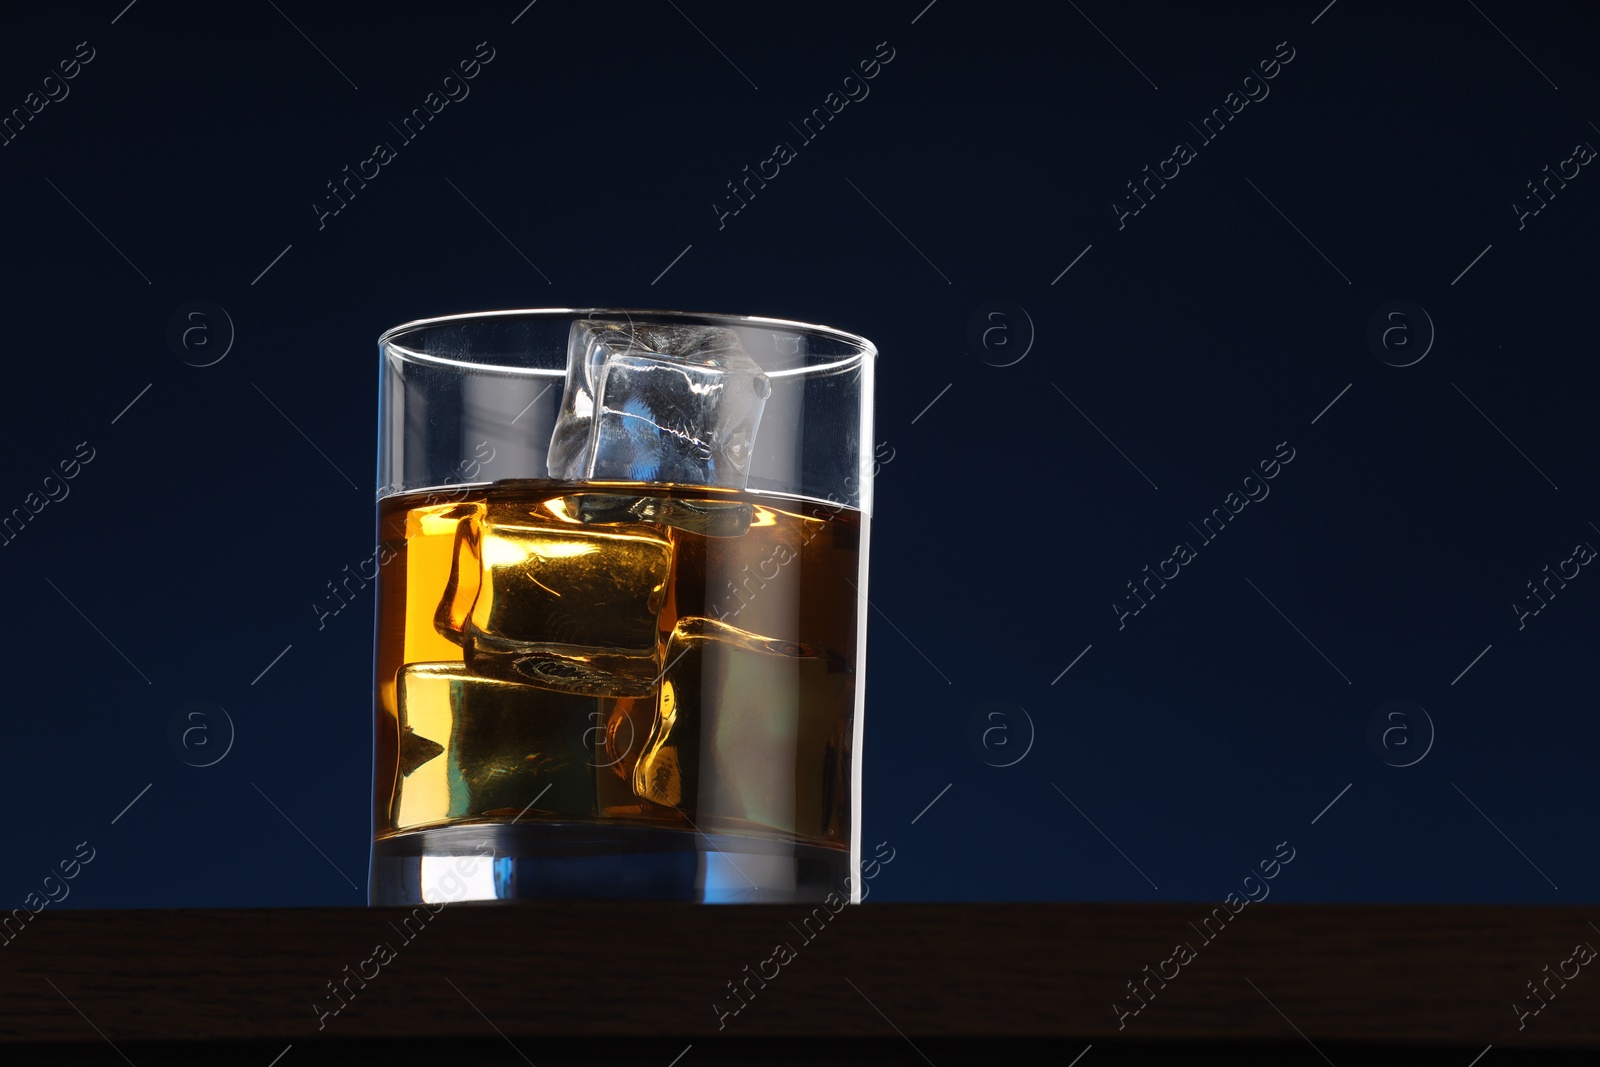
[883, 983]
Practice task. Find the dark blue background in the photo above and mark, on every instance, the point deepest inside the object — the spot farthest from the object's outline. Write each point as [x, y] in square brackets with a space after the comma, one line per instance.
[1197, 337]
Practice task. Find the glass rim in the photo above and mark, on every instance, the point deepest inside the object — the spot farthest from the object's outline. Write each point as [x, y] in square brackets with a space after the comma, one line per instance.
[392, 333]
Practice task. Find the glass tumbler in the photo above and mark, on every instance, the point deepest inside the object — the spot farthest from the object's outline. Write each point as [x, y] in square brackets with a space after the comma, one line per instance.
[620, 607]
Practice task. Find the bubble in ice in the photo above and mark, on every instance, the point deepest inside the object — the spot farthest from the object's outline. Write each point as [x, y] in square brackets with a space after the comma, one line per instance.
[657, 402]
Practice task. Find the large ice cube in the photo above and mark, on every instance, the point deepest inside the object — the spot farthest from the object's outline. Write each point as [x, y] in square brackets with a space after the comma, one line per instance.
[505, 747]
[560, 596]
[750, 728]
[657, 402]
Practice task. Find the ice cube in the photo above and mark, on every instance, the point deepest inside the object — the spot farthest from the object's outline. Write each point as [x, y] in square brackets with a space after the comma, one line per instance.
[751, 728]
[708, 518]
[520, 585]
[657, 402]
[506, 747]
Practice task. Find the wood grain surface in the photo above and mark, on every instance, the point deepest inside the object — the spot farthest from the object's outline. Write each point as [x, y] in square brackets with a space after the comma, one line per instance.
[1280, 973]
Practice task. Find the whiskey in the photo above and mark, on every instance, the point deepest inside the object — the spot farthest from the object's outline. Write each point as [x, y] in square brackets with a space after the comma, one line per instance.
[618, 656]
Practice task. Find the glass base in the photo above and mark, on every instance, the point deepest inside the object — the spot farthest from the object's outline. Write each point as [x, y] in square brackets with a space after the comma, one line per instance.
[581, 861]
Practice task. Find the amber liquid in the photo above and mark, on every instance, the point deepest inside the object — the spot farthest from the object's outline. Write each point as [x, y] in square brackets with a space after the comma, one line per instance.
[617, 655]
